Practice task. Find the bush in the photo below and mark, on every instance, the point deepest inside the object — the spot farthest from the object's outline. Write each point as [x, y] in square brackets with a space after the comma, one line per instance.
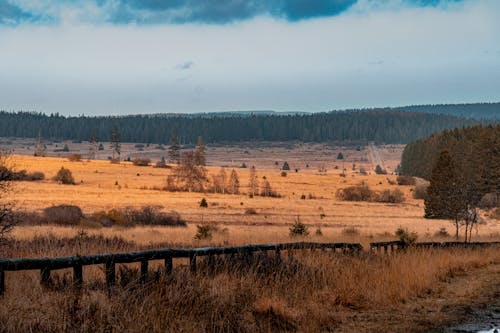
[283, 173]
[420, 191]
[204, 203]
[64, 176]
[350, 231]
[408, 238]
[148, 215]
[63, 214]
[360, 192]
[405, 180]
[250, 211]
[23, 175]
[204, 231]
[298, 229]
[75, 158]
[141, 161]
[362, 171]
[394, 196]
[379, 170]
[442, 233]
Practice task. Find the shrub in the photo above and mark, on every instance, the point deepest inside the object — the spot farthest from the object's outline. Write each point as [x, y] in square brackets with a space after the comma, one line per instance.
[360, 192]
[379, 170]
[151, 215]
[203, 203]
[298, 229]
[350, 231]
[250, 211]
[64, 176]
[394, 196]
[408, 238]
[141, 161]
[63, 214]
[23, 175]
[75, 158]
[443, 233]
[204, 231]
[283, 173]
[362, 171]
[420, 191]
[319, 232]
[405, 180]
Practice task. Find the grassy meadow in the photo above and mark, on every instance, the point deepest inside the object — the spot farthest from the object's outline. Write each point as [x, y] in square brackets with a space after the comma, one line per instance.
[412, 291]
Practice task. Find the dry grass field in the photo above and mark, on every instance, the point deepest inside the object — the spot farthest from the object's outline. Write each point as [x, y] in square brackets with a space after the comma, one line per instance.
[413, 291]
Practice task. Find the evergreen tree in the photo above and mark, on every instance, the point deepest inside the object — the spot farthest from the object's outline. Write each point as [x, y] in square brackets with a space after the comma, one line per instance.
[285, 166]
[200, 152]
[174, 150]
[340, 156]
[116, 143]
[444, 197]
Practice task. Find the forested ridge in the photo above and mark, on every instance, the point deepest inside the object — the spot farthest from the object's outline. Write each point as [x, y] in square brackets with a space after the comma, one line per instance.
[474, 150]
[381, 126]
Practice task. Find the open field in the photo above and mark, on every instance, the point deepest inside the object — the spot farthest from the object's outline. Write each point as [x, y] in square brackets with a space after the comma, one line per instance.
[412, 291]
[307, 193]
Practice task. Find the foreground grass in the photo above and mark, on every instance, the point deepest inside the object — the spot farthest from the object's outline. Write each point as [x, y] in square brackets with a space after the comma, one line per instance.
[310, 291]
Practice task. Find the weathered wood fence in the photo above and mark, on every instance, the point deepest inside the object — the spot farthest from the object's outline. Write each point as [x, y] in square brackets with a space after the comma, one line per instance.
[46, 265]
[394, 246]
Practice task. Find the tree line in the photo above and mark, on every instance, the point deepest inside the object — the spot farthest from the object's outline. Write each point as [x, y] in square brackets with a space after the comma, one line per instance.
[381, 126]
[463, 166]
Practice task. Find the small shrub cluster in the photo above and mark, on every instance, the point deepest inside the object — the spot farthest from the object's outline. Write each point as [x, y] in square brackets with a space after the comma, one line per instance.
[379, 170]
[250, 211]
[23, 175]
[64, 176]
[204, 231]
[148, 215]
[442, 233]
[408, 238]
[141, 161]
[405, 180]
[63, 214]
[75, 158]
[362, 192]
[298, 229]
[420, 191]
[351, 231]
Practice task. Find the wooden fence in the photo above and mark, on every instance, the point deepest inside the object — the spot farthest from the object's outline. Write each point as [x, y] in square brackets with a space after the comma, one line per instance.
[394, 246]
[46, 265]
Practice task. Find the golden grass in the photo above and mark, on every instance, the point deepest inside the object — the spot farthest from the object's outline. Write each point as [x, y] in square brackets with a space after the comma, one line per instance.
[102, 186]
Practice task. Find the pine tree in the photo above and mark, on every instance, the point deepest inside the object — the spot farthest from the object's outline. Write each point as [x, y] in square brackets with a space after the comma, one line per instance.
[200, 152]
[115, 143]
[285, 166]
[174, 150]
[444, 197]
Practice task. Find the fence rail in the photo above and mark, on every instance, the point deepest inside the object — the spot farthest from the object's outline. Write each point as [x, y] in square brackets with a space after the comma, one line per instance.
[46, 265]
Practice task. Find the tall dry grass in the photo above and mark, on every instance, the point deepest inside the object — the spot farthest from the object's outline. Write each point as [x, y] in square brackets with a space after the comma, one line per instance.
[307, 292]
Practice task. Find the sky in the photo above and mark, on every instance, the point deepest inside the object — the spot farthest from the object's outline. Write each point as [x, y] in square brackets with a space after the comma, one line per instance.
[115, 57]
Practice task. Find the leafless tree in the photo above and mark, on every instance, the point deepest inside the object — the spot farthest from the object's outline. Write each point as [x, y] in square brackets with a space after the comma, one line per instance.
[219, 182]
[253, 182]
[187, 176]
[7, 220]
[234, 183]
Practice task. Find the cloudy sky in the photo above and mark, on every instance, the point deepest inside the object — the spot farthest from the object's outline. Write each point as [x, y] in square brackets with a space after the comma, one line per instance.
[147, 56]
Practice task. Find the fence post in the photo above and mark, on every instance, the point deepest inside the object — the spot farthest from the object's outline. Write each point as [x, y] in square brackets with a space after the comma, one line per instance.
[144, 271]
[78, 276]
[192, 263]
[110, 274]
[168, 265]
[2, 283]
[45, 277]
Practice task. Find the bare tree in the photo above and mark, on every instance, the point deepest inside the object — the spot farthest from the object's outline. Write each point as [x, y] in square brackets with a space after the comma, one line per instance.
[40, 149]
[92, 146]
[199, 155]
[234, 183]
[188, 176]
[116, 144]
[265, 189]
[253, 182]
[219, 182]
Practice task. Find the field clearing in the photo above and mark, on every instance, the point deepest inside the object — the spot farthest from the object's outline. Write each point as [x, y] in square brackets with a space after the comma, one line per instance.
[103, 186]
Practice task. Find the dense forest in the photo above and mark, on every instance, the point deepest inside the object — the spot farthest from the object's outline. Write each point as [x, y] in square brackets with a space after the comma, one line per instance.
[475, 151]
[382, 126]
[476, 110]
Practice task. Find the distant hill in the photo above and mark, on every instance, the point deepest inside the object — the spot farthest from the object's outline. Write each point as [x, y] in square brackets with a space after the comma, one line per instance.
[382, 126]
[474, 110]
